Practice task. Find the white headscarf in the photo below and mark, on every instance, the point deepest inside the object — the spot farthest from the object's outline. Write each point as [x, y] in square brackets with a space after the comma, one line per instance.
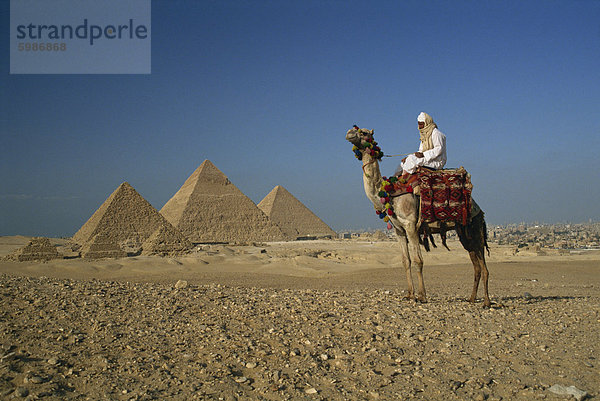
[426, 131]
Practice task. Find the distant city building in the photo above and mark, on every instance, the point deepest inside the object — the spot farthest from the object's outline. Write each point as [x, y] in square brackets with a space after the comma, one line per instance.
[557, 236]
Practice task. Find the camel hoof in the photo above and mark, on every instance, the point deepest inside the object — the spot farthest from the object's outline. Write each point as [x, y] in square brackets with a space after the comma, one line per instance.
[472, 300]
[422, 300]
[487, 304]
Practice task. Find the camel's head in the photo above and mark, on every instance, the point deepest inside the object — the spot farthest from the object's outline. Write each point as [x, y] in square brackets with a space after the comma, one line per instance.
[363, 142]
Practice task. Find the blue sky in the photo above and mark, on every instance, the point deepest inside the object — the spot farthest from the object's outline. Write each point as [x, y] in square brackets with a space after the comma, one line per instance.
[267, 89]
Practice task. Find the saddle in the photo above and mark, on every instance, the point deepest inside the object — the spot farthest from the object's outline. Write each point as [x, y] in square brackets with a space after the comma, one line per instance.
[445, 195]
[444, 200]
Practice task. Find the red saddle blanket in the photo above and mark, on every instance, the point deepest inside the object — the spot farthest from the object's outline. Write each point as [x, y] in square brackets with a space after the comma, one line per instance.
[445, 195]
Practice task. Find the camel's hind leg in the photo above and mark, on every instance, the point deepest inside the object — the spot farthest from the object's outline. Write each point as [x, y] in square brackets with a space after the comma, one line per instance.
[474, 240]
[476, 274]
[402, 240]
[480, 269]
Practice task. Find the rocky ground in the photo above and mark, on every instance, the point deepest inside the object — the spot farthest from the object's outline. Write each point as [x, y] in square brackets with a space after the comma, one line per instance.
[97, 339]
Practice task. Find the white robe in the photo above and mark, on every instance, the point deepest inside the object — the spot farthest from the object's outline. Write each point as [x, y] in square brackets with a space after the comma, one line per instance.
[434, 158]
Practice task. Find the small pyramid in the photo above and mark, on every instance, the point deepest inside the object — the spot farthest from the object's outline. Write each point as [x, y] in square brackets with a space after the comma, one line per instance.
[166, 241]
[209, 208]
[100, 246]
[379, 236]
[39, 248]
[125, 219]
[294, 219]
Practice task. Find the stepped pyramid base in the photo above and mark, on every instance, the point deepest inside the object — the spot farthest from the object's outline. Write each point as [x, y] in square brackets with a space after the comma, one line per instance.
[166, 241]
[100, 247]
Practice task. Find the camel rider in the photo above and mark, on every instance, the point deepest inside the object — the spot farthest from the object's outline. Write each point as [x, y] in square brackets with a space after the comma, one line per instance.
[432, 150]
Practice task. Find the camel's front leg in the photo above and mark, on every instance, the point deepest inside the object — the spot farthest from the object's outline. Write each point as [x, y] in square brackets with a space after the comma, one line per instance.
[415, 256]
[406, 262]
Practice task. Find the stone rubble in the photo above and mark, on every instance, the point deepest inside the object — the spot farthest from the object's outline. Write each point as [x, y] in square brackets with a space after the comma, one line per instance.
[571, 390]
[92, 339]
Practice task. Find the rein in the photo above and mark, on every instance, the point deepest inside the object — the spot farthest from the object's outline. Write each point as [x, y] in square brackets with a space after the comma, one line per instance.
[401, 154]
[365, 165]
[403, 193]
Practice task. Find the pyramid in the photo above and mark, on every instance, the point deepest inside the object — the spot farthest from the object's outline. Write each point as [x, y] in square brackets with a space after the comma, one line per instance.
[39, 248]
[209, 208]
[294, 219]
[166, 241]
[101, 246]
[379, 236]
[124, 220]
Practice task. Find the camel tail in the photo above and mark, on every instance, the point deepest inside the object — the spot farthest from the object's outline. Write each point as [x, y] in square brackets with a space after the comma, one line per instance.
[485, 235]
[473, 236]
[426, 237]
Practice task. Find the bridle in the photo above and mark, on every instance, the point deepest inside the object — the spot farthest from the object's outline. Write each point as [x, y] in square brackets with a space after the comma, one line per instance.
[366, 144]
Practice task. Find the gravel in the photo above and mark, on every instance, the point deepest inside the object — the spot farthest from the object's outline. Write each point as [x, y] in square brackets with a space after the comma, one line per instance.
[92, 339]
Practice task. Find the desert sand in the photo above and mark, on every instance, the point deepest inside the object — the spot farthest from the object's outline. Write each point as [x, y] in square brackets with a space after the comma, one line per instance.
[308, 320]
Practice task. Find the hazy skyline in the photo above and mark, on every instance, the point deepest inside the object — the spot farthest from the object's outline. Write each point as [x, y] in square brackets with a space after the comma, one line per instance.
[266, 90]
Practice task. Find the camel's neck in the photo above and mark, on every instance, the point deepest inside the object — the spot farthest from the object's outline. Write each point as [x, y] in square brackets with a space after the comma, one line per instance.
[371, 178]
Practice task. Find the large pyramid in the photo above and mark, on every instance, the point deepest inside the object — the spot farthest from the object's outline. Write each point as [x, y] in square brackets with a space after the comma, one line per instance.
[209, 208]
[126, 220]
[294, 219]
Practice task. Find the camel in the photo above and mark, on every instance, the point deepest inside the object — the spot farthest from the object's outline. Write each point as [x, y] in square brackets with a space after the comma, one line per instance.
[405, 221]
